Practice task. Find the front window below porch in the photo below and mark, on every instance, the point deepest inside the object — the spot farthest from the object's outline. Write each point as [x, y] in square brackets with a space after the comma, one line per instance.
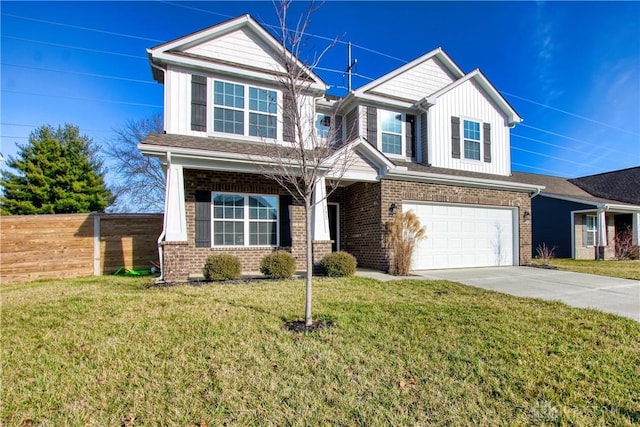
[245, 220]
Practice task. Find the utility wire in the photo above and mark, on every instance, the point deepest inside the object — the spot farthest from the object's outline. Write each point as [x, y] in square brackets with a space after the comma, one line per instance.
[553, 157]
[75, 47]
[78, 73]
[82, 99]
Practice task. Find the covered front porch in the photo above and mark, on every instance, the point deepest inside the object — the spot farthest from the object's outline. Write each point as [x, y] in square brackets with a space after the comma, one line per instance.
[606, 232]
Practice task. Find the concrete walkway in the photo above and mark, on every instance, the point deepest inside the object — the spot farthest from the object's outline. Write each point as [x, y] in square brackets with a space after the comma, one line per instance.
[608, 294]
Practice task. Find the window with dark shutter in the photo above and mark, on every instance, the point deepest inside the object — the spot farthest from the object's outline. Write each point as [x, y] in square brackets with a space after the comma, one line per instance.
[199, 103]
[203, 219]
[285, 222]
[424, 138]
[455, 137]
[486, 128]
[337, 131]
[372, 125]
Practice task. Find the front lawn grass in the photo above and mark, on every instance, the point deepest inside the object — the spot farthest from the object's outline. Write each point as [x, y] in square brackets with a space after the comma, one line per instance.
[111, 351]
[623, 269]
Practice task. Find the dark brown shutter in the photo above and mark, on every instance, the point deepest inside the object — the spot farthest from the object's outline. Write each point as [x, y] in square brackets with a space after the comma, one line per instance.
[486, 127]
[285, 222]
[199, 103]
[337, 130]
[352, 124]
[203, 219]
[288, 125]
[455, 137]
[424, 138]
[372, 125]
[410, 127]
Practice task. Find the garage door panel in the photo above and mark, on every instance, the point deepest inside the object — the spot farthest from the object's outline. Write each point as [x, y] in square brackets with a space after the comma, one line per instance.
[463, 236]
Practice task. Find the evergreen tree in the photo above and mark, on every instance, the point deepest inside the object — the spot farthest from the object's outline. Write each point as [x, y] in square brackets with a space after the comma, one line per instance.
[57, 171]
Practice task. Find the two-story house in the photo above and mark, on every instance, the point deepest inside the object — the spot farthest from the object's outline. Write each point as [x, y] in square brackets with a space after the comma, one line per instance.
[425, 137]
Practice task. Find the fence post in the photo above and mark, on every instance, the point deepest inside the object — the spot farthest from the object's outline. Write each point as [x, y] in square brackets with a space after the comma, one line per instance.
[96, 245]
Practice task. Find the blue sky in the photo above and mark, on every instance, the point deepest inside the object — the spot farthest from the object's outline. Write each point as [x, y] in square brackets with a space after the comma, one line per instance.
[570, 69]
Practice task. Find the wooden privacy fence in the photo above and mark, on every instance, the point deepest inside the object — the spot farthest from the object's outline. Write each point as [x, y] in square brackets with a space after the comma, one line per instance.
[63, 246]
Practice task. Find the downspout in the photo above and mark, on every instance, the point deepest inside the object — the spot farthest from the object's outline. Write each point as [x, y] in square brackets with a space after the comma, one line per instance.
[166, 193]
[164, 220]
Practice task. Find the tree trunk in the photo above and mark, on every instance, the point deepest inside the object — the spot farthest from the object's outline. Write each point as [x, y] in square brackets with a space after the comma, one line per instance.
[309, 276]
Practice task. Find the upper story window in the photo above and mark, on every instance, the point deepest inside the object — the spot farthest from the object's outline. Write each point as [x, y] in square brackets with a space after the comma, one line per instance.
[232, 114]
[323, 125]
[391, 132]
[471, 140]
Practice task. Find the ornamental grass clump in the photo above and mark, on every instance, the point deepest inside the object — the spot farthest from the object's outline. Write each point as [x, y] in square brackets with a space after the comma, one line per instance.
[278, 265]
[222, 267]
[339, 264]
[402, 235]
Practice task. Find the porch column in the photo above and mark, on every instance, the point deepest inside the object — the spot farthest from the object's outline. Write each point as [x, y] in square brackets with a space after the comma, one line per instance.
[601, 227]
[635, 229]
[175, 218]
[320, 214]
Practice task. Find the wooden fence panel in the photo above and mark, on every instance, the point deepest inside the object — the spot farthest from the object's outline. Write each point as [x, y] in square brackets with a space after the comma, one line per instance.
[64, 246]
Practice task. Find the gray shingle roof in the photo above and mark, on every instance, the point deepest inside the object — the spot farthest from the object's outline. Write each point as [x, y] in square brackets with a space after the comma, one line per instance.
[622, 185]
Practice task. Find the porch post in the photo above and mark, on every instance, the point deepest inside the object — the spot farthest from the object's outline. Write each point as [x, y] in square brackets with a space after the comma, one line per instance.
[635, 229]
[320, 213]
[602, 232]
[175, 218]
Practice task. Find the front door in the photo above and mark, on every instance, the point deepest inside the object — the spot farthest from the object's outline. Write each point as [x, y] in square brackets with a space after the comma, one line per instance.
[334, 225]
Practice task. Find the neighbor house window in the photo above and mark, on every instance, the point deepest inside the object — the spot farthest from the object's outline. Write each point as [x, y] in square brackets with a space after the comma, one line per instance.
[323, 125]
[245, 220]
[471, 140]
[590, 230]
[233, 114]
[391, 132]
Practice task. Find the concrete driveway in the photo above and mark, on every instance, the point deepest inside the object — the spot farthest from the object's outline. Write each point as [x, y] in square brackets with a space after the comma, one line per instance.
[608, 294]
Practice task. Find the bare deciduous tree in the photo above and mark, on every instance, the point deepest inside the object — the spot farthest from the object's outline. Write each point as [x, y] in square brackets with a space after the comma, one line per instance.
[138, 180]
[301, 165]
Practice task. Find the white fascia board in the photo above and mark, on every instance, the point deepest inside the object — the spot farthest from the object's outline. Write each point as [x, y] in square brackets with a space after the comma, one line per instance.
[438, 52]
[461, 180]
[597, 205]
[206, 159]
[610, 207]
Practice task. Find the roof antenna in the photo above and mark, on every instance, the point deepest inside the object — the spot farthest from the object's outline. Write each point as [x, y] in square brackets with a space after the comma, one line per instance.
[350, 65]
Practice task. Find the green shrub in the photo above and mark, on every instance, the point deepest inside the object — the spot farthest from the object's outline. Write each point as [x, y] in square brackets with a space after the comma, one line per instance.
[339, 264]
[222, 267]
[278, 265]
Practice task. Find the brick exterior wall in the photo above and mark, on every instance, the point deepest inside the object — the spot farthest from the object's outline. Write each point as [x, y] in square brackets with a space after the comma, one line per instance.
[369, 205]
[582, 251]
[364, 212]
[182, 259]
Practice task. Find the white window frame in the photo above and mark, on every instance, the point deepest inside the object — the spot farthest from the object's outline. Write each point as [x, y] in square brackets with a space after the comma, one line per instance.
[403, 132]
[463, 139]
[318, 118]
[247, 220]
[246, 111]
[588, 231]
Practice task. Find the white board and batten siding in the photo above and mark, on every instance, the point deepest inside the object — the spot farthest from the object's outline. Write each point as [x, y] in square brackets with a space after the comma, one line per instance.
[240, 47]
[418, 82]
[464, 236]
[468, 101]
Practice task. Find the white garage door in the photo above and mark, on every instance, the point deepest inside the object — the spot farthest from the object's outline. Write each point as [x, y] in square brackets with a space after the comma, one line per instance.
[463, 236]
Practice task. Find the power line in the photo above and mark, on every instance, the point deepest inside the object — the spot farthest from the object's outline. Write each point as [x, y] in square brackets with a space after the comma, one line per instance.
[95, 30]
[553, 157]
[75, 47]
[572, 138]
[536, 168]
[578, 116]
[78, 73]
[137, 104]
[37, 126]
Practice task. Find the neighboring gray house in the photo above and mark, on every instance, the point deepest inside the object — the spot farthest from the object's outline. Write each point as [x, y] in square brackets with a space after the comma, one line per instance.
[581, 217]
